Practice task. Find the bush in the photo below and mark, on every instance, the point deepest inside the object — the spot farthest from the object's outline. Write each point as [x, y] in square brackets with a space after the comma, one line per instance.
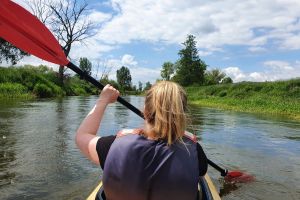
[223, 93]
[42, 90]
[11, 90]
[79, 91]
[44, 82]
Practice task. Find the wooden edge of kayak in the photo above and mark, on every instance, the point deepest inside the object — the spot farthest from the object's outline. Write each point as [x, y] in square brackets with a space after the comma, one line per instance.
[210, 184]
[212, 188]
[92, 196]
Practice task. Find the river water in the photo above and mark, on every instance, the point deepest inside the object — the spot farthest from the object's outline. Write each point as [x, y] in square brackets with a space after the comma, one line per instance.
[39, 159]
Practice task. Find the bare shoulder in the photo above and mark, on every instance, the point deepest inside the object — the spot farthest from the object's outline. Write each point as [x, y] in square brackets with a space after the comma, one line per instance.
[190, 136]
[125, 132]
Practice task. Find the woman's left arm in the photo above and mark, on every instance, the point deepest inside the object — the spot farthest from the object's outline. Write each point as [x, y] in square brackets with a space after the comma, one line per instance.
[86, 138]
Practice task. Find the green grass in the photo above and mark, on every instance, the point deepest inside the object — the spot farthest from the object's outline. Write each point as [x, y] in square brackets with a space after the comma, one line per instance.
[14, 90]
[40, 82]
[280, 97]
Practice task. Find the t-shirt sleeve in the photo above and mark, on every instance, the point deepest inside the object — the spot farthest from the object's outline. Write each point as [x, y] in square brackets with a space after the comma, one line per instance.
[202, 160]
[102, 147]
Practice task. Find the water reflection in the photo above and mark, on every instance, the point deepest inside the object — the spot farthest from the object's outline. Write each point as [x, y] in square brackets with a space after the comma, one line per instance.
[83, 104]
[121, 114]
[297, 138]
[267, 149]
[227, 188]
[60, 121]
[7, 144]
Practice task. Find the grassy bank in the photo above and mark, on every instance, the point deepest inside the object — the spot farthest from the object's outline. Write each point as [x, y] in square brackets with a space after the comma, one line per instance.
[280, 97]
[31, 82]
[10, 90]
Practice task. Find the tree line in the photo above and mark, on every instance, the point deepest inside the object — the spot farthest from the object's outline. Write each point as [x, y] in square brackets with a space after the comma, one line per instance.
[123, 80]
[188, 70]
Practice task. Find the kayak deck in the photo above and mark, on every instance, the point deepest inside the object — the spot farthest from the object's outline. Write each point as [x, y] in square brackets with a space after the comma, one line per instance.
[210, 187]
[209, 191]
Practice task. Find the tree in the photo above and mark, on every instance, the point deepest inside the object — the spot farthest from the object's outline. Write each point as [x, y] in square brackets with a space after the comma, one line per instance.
[214, 76]
[140, 86]
[85, 65]
[10, 53]
[190, 68]
[226, 80]
[40, 9]
[124, 78]
[147, 86]
[67, 20]
[133, 88]
[105, 80]
[167, 70]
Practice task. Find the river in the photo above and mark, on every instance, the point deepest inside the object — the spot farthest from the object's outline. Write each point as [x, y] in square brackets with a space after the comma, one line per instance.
[39, 159]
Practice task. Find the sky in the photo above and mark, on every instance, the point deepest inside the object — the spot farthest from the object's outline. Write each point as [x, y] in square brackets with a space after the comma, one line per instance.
[249, 40]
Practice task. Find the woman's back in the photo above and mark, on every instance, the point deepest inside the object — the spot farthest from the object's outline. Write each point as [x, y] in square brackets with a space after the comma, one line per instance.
[159, 163]
[139, 168]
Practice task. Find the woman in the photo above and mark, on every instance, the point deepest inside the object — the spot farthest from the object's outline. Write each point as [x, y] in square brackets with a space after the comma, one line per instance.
[158, 161]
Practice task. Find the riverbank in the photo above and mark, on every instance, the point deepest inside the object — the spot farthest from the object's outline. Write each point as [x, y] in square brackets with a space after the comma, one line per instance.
[30, 82]
[279, 97]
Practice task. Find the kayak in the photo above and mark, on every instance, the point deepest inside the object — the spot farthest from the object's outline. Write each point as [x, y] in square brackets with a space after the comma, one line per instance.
[207, 190]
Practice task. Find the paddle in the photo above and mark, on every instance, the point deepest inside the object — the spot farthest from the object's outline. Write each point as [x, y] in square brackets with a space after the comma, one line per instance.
[25, 31]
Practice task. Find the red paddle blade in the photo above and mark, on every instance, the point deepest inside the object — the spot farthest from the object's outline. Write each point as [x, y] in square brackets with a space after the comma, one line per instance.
[238, 177]
[25, 31]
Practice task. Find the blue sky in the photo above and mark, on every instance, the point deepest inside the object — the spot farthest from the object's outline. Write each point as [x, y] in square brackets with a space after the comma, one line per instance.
[249, 40]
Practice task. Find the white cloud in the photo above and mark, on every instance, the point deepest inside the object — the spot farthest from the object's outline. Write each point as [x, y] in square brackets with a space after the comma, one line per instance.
[257, 49]
[89, 49]
[215, 23]
[258, 77]
[128, 60]
[144, 74]
[98, 17]
[235, 73]
[31, 60]
[279, 65]
[204, 53]
[272, 70]
[25, 3]
[291, 42]
[92, 47]
[138, 73]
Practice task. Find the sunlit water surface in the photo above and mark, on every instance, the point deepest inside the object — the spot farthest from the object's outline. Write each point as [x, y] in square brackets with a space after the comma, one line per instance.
[39, 159]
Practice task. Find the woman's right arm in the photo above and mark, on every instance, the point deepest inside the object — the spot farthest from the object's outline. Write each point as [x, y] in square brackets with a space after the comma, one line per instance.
[86, 138]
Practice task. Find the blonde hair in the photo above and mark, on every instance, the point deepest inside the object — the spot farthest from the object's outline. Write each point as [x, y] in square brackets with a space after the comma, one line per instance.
[165, 110]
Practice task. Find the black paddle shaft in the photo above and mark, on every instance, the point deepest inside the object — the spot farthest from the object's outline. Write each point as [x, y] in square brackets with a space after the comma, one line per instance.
[129, 106]
[101, 86]
[223, 172]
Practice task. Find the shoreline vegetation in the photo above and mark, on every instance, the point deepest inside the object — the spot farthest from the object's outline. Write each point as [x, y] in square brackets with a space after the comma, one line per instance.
[278, 97]
[30, 82]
